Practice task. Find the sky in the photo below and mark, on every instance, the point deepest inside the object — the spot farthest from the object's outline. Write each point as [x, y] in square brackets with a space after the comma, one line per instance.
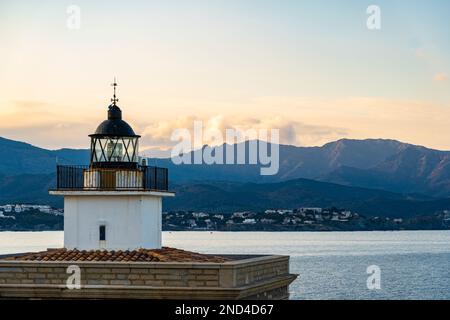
[309, 68]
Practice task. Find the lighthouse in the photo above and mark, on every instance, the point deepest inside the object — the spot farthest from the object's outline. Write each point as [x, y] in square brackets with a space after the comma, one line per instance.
[112, 234]
[114, 203]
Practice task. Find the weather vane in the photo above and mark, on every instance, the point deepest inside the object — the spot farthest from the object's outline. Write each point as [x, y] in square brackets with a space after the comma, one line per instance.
[114, 99]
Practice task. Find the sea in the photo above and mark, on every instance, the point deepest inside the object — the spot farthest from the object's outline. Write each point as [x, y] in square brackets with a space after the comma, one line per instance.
[331, 265]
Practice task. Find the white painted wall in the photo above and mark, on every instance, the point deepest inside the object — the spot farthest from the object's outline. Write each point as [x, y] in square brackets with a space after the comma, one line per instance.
[132, 221]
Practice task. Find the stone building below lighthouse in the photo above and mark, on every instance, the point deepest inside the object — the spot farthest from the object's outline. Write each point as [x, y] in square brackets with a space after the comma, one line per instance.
[115, 203]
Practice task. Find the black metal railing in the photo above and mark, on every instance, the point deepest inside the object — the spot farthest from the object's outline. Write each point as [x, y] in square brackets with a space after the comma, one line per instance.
[88, 178]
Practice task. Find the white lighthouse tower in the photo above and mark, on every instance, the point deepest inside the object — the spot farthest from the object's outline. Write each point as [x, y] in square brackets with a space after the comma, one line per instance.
[115, 203]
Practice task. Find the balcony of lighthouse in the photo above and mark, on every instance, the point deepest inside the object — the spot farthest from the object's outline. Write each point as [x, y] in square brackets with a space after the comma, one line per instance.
[88, 178]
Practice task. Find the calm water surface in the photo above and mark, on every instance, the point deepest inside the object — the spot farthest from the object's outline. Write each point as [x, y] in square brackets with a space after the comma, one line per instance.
[332, 265]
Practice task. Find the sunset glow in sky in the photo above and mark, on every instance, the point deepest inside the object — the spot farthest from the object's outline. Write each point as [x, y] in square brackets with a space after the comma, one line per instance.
[310, 68]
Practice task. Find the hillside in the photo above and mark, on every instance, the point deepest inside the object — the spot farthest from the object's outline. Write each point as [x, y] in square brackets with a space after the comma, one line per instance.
[230, 197]
[23, 158]
[384, 177]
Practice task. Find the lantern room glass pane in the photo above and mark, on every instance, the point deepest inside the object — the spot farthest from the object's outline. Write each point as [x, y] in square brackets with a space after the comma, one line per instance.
[115, 149]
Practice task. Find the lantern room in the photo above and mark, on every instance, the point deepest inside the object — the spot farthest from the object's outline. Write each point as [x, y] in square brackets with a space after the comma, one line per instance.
[114, 144]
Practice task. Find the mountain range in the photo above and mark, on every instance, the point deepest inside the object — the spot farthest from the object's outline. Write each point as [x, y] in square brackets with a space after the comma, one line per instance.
[373, 176]
[374, 163]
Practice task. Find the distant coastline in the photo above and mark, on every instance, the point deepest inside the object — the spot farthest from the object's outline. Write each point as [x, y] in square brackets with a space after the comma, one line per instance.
[44, 218]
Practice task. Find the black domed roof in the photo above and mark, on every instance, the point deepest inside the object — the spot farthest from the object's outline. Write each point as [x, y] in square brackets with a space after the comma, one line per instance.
[114, 126]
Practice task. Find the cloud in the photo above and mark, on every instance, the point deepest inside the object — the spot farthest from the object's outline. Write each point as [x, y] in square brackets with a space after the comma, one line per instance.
[440, 77]
[39, 123]
[31, 105]
[25, 113]
[303, 121]
[51, 135]
[157, 135]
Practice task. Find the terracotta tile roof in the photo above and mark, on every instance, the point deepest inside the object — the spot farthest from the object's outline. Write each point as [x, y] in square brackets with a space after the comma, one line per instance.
[164, 254]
